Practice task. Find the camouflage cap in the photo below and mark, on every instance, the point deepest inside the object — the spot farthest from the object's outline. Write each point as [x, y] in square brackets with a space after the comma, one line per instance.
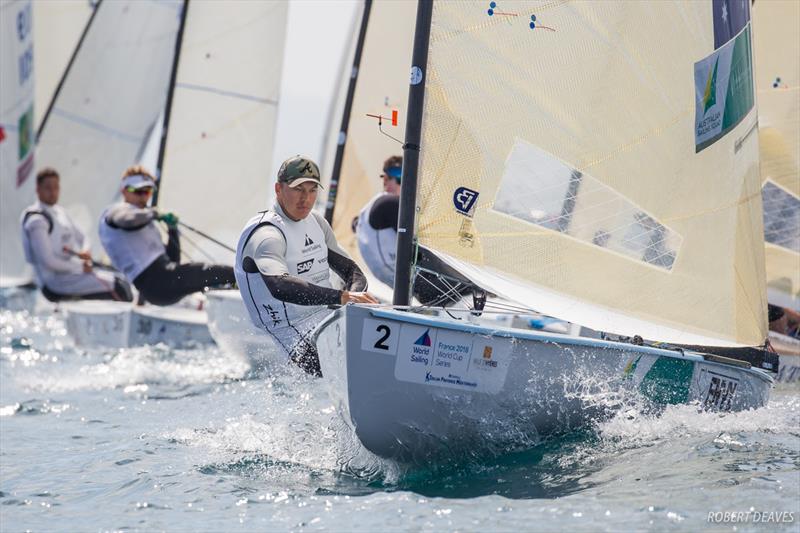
[297, 170]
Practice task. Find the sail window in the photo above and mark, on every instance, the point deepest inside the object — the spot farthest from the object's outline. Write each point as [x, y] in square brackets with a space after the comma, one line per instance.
[781, 217]
[538, 188]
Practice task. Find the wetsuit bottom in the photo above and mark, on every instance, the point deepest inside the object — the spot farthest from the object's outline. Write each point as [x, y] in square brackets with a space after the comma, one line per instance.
[121, 293]
[165, 282]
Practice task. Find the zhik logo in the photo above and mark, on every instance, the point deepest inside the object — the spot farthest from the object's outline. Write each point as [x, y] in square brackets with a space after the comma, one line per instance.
[464, 200]
[305, 266]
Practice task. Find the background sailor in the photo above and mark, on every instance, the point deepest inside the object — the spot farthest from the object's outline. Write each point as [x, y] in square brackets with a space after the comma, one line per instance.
[132, 240]
[59, 251]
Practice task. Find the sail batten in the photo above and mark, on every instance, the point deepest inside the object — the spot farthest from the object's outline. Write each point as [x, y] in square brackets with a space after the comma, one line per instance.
[588, 150]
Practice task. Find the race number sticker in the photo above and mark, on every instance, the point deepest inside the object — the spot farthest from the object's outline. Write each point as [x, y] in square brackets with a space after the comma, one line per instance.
[380, 336]
[452, 359]
[717, 390]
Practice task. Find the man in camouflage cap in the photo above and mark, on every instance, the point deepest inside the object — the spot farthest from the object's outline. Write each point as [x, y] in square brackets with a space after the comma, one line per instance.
[284, 261]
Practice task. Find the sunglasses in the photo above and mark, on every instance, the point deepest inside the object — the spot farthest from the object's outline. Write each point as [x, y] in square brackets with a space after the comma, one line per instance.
[142, 191]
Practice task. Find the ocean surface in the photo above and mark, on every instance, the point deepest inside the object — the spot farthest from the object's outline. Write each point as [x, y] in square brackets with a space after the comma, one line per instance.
[155, 438]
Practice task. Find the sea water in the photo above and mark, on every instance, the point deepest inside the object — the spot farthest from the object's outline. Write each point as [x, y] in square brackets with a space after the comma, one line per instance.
[154, 438]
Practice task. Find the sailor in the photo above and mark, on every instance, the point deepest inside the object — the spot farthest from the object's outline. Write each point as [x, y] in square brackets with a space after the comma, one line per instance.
[376, 225]
[283, 265]
[376, 231]
[131, 239]
[59, 252]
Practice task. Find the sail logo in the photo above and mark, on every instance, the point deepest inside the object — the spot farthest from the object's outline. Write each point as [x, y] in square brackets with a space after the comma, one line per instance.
[710, 94]
[421, 349]
[464, 200]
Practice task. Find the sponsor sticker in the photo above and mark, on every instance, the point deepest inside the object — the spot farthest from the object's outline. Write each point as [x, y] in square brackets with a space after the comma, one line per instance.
[452, 359]
[724, 94]
[464, 200]
[304, 266]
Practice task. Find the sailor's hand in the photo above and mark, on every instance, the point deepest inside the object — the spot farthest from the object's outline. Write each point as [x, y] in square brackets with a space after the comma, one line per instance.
[358, 298]
[87, 266]
[86, 256]
[171, 219]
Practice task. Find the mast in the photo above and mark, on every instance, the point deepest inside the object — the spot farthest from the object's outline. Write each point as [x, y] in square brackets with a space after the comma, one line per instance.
[168, 106]
[348, 105]
[406, 243]
[66, 70]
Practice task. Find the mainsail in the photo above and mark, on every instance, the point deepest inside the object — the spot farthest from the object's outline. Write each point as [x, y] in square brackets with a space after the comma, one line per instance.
[596, 161]
[776, 32]
[59, 26]
[17, 134]
[382, 86]
[108, 103]
[222, 120]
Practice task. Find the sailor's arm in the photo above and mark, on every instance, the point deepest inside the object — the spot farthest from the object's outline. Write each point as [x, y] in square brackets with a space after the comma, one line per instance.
[129, 217]
[270, 258]
[347, 269]
[43, 251]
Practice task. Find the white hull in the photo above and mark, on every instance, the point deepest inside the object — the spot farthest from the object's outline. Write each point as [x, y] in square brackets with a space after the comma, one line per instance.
[18, 298]
[414, 386]
[120, 325]
[232, 330]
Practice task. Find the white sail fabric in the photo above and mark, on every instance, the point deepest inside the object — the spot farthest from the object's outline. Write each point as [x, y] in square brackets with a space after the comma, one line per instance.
[58, 28]
[382, 87]
[596, 161]
[218, 154]
[17, 134]
[776, 31]
[109, 103]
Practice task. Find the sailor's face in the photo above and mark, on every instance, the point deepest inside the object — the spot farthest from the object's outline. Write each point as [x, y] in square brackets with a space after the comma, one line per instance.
[297, 202]
[48, 190]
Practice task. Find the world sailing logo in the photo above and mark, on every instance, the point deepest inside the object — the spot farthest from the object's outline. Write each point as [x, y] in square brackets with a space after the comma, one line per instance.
[464, 200]
[309, 242]
[424, 339]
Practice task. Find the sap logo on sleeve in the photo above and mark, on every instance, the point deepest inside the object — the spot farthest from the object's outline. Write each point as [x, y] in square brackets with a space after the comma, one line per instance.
[464, 200]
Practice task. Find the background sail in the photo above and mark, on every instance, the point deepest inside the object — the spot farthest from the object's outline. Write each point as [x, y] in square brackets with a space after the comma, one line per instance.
[776, 31]
[382, 86]
[595, 161]
[17, 134]
[109, 104]
[58, 28]
[221, 130]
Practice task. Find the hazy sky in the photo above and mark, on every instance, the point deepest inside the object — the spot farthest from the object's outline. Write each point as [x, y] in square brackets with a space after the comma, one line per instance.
[317, 34]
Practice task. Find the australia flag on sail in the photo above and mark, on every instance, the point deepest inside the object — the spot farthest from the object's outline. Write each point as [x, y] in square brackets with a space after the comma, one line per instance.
[730, 16]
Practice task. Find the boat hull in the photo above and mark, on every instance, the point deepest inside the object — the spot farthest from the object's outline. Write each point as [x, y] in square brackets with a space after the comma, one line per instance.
[414, 387]
[121, 325]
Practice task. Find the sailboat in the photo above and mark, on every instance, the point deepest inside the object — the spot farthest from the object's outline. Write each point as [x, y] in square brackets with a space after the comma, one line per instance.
[212, 107]
[591, 161]
[375, 84]
[777, 85]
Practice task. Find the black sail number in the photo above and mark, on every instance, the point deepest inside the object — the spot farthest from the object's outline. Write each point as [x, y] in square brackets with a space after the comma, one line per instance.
[386, 332]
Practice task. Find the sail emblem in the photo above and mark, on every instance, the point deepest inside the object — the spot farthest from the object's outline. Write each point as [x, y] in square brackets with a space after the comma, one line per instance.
[424, 339]
[464, 200]
[710, 94]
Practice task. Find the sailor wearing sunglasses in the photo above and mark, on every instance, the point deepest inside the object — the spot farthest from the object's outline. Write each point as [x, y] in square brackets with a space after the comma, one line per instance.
[133, 242]
[59, 251]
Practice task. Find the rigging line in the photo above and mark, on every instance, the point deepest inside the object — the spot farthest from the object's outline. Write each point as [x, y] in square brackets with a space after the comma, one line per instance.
[197, 247]
[207, 236]
[223, 92]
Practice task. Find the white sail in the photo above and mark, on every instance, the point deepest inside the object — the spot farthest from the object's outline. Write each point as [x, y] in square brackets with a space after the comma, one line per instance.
[59, 26]
[222, 123]
[17, 134]
[596, 161]
[109, 103]
[776, 32]
[382, 87]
